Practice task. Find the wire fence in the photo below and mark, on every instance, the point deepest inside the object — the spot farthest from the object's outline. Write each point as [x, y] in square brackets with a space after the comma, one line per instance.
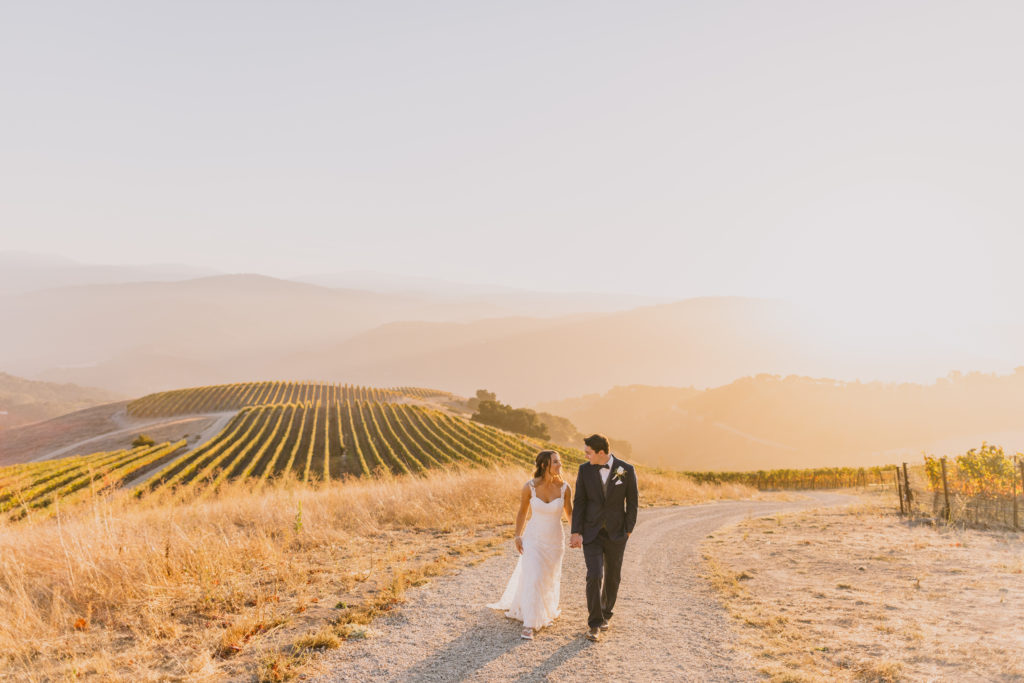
[981, 488]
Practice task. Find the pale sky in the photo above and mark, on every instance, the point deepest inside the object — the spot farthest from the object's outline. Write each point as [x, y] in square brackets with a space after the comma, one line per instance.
[856, 151]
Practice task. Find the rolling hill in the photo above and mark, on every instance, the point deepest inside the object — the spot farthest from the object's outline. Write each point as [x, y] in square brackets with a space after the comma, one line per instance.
[145, 337]
[22, 272]
[705, 341]
[139, 337]
[23, 401]
[768, 421]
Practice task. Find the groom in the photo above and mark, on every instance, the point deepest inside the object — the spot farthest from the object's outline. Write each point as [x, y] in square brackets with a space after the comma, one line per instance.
[603, 516]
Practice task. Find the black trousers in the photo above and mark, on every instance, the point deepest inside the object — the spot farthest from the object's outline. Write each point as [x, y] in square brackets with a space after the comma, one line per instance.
[604, 561]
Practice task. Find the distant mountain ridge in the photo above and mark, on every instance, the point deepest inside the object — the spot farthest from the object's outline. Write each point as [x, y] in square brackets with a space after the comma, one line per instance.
[138, 331]
[508, 301]
[703, 341]
[138, 337]
[22, 272]
[767, 421]
[134, 338]
[23, 401]
[127, 337]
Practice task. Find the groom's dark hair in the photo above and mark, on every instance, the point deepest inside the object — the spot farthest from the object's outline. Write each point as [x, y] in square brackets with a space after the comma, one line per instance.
[598, 442]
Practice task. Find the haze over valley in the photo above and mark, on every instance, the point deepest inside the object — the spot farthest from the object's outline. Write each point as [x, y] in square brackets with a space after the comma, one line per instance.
[771, 384]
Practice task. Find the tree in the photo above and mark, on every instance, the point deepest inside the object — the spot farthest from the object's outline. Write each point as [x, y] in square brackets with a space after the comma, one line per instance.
[562, 430]
[481, 395]
[520, 420]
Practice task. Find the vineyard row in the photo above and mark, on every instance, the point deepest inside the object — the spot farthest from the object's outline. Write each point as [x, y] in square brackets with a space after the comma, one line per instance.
[32, 486]
[327, 440]
[224, 397]
[818, 478]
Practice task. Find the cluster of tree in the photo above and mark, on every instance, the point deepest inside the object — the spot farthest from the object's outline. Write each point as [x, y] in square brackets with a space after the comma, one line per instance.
[481, 395]
[561, 430]
[490, 411]
[554, 428]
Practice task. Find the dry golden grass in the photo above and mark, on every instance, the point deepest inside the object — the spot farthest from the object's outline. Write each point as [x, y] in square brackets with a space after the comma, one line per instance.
[247, 583]
[857, 594]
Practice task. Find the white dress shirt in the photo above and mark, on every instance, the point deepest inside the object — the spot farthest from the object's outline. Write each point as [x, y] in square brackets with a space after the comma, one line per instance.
[605, 473]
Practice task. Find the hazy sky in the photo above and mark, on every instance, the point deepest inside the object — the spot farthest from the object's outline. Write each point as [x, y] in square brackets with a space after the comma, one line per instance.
[854, 150]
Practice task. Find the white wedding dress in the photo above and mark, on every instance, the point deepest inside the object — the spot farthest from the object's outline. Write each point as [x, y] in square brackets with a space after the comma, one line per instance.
[533, 591]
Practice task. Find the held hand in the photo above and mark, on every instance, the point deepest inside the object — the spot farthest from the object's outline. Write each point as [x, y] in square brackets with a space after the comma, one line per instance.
[576, 541]
[519, 544]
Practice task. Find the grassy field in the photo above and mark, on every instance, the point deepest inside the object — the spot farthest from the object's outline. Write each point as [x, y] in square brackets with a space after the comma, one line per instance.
[246, 583]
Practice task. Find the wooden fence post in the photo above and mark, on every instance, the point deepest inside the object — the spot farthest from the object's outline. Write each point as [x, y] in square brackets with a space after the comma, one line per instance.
[1013, 490]
[945, 490]
[906, 489]
[899, 489]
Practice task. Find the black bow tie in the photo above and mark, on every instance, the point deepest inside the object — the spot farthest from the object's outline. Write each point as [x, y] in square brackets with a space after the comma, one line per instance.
[605, 466]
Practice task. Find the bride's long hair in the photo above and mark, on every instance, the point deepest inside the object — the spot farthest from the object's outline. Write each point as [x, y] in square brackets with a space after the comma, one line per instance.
[543, 462]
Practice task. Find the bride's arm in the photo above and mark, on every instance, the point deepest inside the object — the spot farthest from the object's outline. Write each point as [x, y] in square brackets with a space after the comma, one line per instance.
[524, 508]
[568, 502]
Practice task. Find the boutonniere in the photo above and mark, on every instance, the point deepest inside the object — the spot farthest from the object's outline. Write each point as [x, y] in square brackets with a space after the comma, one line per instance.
[620, 473]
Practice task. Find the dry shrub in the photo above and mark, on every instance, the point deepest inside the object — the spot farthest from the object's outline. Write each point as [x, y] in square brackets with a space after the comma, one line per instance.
[238, 634]
[879, 671]
[324, 639]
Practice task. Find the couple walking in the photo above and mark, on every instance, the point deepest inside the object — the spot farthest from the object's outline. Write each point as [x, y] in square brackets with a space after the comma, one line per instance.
[603, 514]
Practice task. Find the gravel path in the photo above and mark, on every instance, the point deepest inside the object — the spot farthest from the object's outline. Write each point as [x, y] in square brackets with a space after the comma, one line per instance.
[200, 439]
[668, 624]
[132, 426]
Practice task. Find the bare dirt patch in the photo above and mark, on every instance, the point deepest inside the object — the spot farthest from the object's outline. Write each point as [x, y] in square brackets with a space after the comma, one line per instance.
[102, 428]
[857, 593]
[21, 444]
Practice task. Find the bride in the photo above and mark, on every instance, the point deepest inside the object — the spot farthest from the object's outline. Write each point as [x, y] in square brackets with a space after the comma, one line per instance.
[533, 590]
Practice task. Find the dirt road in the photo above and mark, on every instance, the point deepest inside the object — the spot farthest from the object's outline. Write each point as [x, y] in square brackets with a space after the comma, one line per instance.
[668, 624]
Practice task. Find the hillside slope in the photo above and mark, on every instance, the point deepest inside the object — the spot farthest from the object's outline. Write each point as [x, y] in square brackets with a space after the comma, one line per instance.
[772, 421]
[302, 430]
[23, 401]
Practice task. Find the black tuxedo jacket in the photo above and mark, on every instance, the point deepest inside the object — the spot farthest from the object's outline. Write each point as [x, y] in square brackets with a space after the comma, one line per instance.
[613, 506]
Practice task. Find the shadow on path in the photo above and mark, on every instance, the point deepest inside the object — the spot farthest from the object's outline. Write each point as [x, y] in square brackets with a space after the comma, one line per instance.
[556, 659]
[449, 663]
